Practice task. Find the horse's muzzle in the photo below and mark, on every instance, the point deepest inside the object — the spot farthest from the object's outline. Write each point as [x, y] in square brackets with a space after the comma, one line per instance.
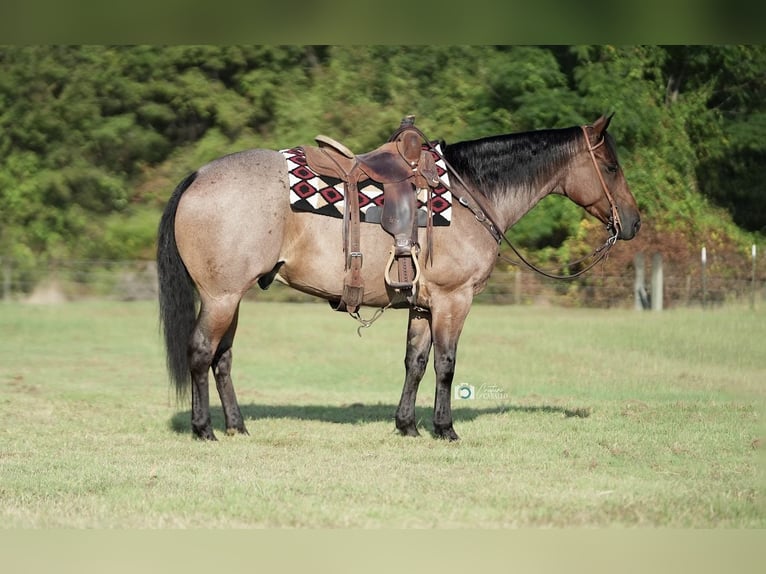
[629, 227]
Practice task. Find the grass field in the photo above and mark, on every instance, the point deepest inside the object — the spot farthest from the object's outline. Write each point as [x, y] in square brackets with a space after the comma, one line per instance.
[596, 418]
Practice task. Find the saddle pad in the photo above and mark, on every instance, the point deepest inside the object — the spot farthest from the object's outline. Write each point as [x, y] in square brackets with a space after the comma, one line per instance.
[325, 195]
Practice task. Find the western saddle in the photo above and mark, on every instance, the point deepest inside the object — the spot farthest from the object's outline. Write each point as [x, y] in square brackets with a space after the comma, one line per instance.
[403, 167]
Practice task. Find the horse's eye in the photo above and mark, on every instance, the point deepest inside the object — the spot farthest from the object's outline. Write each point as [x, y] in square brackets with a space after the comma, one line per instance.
[611, 168]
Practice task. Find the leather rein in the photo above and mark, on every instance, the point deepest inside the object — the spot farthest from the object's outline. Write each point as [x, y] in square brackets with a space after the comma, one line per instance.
[482, 214]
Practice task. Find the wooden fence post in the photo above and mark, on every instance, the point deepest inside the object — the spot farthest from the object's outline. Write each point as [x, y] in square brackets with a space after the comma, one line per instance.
[639, 285]
[6, 265]
[657, 282]
[752, 281]
[703, 260]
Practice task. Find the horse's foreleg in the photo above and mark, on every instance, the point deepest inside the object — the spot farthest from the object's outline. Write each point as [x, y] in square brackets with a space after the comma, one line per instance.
[222, 372]
[447, 324]
[444, 365]
[415, 361]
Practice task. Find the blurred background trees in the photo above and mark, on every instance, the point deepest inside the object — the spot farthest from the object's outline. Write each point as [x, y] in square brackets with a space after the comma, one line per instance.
[93, 139]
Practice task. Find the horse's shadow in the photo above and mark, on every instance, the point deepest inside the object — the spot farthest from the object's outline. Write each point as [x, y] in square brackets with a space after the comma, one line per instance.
[358, 413]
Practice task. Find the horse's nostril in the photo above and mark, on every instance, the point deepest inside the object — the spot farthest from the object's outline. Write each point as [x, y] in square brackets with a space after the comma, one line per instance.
[636, 226]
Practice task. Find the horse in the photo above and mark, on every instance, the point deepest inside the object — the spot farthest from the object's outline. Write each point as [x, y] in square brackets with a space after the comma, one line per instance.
[229, 226]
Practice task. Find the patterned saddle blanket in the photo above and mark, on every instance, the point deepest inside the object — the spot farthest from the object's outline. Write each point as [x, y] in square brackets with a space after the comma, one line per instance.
[324, 195]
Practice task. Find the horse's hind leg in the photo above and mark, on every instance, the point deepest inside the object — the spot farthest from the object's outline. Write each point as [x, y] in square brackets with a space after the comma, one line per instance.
[215, 319]
[415, 362]
[222, 372]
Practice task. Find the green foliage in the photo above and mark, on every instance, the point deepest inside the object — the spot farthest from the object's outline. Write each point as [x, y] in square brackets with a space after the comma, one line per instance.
[88, 133]
[548, 225]
[125, 236]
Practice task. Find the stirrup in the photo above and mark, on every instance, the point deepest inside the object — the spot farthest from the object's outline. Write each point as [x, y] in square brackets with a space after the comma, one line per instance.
[397, 285]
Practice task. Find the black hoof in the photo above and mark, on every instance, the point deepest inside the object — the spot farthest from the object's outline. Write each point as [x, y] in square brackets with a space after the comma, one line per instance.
[446, 433]
[204, 433]
[239, 429]
[407, 429]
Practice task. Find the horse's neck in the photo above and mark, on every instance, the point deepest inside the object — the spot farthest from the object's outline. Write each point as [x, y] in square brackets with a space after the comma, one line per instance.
[515, 202]
[516, 171]
[509, 202]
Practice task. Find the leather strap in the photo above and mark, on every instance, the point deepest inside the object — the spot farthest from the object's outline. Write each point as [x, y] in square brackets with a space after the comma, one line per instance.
[616, 223]
[353, 284]
[353, 287]
[483, 215]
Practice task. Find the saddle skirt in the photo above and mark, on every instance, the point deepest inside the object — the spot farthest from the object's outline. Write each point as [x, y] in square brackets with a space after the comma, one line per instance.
[325, 195]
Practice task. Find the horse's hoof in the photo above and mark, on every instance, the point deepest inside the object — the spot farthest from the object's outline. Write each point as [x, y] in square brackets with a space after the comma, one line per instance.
[408, 430]
[232, 431]
[204, 434]
[447, 433]
[206, 437]
[407, 427]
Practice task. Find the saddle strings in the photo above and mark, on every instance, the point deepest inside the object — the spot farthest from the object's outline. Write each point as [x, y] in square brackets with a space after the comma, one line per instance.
[367, 323]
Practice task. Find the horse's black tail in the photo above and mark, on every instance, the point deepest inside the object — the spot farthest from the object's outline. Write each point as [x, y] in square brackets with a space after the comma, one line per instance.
[177, 294]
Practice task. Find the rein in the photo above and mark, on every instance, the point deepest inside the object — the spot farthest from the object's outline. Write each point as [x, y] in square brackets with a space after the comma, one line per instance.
[482, 214]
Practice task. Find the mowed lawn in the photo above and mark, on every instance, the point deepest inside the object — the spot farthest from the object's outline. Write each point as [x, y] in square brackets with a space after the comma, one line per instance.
[596, 418]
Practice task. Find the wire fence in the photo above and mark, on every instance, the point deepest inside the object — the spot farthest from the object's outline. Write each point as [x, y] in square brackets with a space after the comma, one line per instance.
[73, 280]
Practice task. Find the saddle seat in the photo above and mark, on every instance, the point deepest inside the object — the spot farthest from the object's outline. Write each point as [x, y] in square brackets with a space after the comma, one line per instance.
[393, 162]
[403, 167]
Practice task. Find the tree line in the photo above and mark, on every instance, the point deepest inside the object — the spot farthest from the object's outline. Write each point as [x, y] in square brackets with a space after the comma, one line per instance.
[94, 138]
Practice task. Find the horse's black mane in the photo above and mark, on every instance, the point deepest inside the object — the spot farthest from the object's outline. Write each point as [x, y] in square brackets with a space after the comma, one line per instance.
[493, 164]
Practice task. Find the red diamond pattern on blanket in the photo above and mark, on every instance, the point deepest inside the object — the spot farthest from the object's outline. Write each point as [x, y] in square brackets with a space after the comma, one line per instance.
[325, 195]
[331, 195]
[303, 189]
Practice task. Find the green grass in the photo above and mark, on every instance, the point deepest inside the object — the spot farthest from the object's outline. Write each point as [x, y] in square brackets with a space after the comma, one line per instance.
[604, 419]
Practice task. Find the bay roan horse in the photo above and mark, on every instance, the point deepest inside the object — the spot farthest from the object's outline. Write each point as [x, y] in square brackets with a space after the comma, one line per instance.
[229, 226]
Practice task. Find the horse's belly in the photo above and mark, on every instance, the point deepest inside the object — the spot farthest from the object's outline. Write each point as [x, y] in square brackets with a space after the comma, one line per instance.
[314, 260]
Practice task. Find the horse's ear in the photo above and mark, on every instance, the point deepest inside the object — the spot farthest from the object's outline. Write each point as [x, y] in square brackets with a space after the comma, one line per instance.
[600, 125]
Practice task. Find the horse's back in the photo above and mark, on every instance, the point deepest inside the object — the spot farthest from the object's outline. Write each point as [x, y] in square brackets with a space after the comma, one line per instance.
[230, 221]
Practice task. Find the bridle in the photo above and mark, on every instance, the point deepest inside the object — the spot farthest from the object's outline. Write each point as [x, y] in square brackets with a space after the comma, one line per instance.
[483, 215]
[615, 222]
